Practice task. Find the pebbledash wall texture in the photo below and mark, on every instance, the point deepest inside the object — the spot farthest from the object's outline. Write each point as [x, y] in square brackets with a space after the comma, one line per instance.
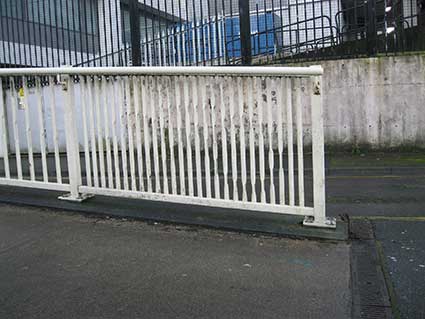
[375, 102]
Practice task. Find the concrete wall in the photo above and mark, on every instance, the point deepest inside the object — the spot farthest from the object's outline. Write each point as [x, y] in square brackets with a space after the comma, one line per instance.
[378, 102]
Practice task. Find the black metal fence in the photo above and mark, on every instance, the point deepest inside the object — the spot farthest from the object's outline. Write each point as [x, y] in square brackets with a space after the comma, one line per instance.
[49, 33]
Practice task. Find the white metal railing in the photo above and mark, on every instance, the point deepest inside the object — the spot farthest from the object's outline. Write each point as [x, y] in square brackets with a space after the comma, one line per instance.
[232, 137]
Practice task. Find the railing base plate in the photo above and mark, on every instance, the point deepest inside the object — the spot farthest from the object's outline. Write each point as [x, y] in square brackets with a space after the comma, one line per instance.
[70, 198]
[330, 222]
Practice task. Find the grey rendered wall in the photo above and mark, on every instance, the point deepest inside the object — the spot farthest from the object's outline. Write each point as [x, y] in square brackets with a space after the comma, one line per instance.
[378, 102]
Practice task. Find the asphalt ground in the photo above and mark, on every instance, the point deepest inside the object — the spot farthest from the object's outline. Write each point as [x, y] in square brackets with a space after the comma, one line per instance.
[391, 198]
[57, 264]
[402, 250]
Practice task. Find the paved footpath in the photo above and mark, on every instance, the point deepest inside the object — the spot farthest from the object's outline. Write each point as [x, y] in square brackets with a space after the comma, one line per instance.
[56, 264]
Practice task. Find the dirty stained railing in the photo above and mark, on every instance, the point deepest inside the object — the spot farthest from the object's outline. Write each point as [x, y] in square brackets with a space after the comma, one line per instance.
[230, 137]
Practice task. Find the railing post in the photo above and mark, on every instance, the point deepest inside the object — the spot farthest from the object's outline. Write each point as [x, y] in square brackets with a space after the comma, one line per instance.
[72, 146]
[319, 197]
[136, 53]
[371, 32]
[245, 32]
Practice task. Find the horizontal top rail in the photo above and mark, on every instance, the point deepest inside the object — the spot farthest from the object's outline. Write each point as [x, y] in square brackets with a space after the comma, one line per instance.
[211, 71]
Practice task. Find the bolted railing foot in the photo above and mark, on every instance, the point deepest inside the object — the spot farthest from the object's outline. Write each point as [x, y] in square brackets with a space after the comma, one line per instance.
[329, 222]
[72, 198]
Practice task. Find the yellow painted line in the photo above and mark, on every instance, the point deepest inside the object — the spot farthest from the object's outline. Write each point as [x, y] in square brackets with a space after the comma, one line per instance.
[376, 177]
[391, 218]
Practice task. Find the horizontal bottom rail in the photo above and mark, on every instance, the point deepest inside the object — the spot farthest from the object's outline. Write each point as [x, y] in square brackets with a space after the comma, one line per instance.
[35, 184]
[211, 202]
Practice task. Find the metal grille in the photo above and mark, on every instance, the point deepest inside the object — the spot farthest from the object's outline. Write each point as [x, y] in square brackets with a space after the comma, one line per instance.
[52, 33]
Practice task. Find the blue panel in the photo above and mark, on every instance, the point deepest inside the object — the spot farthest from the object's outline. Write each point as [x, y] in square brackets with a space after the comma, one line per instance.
[264, 30]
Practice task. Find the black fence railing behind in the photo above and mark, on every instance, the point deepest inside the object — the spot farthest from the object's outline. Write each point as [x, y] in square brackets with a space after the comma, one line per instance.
[48, 33]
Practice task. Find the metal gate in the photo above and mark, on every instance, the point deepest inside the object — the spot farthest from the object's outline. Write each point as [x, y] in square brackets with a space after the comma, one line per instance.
[246, 138]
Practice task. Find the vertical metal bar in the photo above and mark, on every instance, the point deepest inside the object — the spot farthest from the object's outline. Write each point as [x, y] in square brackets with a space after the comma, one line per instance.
[217, 40]
[290, 23]
[120, 16]
[314, 22]
[179, 48]
[261, 160]
[105, 38]
[281, 108]
[253, 176]
[42, 128]
[4, 128]
[234, 159]
[115, 102]
[305, 25]
[146, 39]
[195, 38]
[194, 56]
[196, 111]
[154, 89]
[52, 55]
[184, 43]
[319, 197]
[55, 131]
[110, 30]
[223, 111]
[9, 33]
[220, 48]
[232, 35]
[371, 27]
[145, 113]
[129, 102]
[29, 32]
[85, 134]
[300, 151]
[269, 88]
[138, 119]
[186, 103]
[86, 30]
[92, 127]
[14, 105]
[19, 42]
[4, 18]
[135, 32]
[121, 103]
[171, 136]
[180, 142]
[105, 94]
[68, 28]
[205, 109]
[93, 32]
[98, 92]
[180, 33]
[266, 30]
[214, 137]
[289, 129]
[74, 31]
[161, 91]
[241, 97]
[166, 33]
[28, 130]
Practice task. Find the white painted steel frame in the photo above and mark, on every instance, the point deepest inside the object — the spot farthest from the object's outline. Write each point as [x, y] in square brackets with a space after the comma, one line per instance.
[188, 86]
[169, 71]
